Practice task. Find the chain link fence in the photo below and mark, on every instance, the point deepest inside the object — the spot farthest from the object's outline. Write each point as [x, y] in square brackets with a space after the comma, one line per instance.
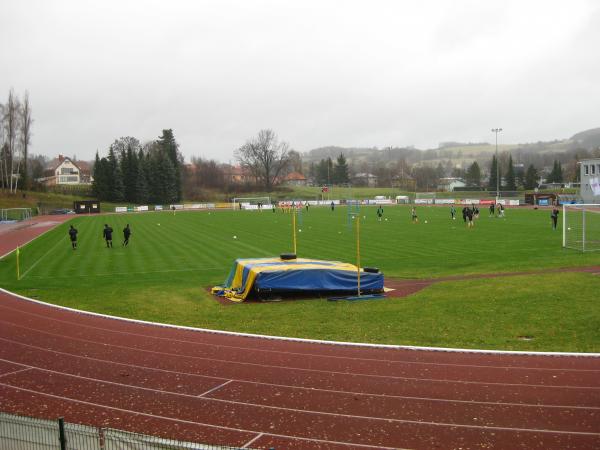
[26, 433]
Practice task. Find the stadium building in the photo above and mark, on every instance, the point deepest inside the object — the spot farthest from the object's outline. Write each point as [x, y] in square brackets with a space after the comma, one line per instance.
[590, 180]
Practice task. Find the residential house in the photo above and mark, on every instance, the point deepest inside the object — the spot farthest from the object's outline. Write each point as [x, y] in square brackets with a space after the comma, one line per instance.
[237, 175]
[64, 171]
[450, 183]
[365, 179]
[295, 179]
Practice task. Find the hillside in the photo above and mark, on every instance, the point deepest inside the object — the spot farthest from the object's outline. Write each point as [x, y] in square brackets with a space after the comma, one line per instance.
[463, 154]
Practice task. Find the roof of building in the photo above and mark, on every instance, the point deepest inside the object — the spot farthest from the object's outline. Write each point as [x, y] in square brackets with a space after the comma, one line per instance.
[295, 176]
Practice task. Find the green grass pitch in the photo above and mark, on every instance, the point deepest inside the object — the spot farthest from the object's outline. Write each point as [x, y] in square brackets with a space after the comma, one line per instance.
[172, 259]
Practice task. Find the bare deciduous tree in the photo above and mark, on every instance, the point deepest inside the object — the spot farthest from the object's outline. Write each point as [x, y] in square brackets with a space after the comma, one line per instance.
[25, 138]
[10, 119]
[265, 157]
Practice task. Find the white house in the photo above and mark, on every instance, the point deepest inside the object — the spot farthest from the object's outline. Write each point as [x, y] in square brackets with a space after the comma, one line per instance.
[590, 180]
[448, 184]
[63, 170]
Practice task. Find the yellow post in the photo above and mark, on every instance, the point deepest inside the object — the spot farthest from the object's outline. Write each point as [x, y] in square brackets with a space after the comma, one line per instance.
[294, 228]
[358, 252]
[18, 268]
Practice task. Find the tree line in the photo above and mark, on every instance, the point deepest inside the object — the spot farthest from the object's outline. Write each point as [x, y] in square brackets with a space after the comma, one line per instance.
[140, 174]
[15, 139]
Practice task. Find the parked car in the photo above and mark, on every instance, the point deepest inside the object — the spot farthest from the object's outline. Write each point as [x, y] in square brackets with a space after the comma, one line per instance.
[61, 211]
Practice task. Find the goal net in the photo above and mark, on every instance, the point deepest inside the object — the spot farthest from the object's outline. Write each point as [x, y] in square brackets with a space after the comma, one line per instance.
[425, 198]
[251, 203]
[581, 227]
[14, 214]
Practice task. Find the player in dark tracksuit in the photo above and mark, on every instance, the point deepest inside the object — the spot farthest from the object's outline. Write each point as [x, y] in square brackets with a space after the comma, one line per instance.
[126, 234]
[107, 234]
[73, 236]
[554, 216]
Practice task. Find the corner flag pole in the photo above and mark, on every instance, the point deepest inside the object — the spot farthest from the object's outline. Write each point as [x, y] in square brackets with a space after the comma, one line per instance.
[18, 268]
[358, 252]
[294, 228]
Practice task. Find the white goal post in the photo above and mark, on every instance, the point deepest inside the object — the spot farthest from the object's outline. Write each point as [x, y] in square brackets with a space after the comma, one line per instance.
[15, 214]
[581, 227]
[251, 203]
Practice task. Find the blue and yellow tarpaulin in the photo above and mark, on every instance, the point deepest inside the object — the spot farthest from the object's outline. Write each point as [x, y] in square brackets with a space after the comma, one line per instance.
[294, 276]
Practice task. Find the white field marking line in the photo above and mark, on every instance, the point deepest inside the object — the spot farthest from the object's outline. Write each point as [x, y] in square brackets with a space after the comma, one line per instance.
[214, 389]
[34, 238]
[254, 439]
[281, 352]
[304, 388]
[42, 257]
[310, 341]
[300, 369]
[107, 274]
[16, 371]
[189, 422]
[348, 416]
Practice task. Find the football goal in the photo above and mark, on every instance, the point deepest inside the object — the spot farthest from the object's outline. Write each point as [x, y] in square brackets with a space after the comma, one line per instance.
[425, 198]
[14, 214]
[581, 227]
[251, 203]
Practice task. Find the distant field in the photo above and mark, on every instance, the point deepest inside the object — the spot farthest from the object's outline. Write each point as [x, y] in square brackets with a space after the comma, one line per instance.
[172, 259]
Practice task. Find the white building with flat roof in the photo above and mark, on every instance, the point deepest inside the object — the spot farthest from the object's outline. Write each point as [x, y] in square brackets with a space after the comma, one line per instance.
[590, 180]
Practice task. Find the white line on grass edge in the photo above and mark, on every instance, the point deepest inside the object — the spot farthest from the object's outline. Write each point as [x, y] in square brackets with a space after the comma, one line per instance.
[303, 340]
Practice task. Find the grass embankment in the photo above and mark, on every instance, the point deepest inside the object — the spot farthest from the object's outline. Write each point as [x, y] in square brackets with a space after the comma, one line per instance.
[164, 273]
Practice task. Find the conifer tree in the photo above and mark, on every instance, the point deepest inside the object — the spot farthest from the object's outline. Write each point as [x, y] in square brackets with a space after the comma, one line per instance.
[510, 176]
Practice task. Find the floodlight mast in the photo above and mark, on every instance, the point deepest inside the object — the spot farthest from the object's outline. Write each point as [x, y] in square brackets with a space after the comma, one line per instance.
[497, 130]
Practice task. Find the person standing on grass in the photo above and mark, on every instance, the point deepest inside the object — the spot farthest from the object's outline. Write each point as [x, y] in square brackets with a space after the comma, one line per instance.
[453, 212]
[332, 206]
[554, 217]
[500, 210]
[126, 234]
[107, 234]
[413, 215]
[379, 213]
[73, 236]
[464, 213]
[492, 210]
[469, 218]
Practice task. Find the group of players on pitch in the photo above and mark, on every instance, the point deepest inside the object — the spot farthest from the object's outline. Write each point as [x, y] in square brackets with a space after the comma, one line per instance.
[106, 234]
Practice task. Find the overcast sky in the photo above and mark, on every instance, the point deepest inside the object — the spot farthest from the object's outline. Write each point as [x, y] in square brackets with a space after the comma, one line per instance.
[348, 73]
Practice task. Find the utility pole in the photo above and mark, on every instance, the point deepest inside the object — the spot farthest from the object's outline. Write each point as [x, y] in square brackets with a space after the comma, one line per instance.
[497, 130]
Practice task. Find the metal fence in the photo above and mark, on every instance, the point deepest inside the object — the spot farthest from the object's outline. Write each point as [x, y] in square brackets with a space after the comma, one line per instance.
[26, 433]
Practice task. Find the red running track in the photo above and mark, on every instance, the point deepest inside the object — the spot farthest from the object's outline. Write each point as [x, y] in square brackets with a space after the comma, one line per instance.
[255, 392]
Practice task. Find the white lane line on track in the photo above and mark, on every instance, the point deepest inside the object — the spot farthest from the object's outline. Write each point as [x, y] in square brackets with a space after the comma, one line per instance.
[303, 340]
[301, 369]
[294, 410]
[281, 352]
[254, 439]
[190, 422]
[286, 386]
[34, 238]
[214, 389]
[16, 371]
[347, 416]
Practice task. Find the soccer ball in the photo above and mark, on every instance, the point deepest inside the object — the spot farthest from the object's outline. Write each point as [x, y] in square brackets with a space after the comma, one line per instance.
[158, 224]
[569, 228]
[425, 221]
[235, 237]
[386, 219]
[454, 218]
[299, 231]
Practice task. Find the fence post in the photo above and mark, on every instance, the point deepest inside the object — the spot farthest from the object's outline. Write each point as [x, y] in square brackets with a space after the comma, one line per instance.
[61, 433]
